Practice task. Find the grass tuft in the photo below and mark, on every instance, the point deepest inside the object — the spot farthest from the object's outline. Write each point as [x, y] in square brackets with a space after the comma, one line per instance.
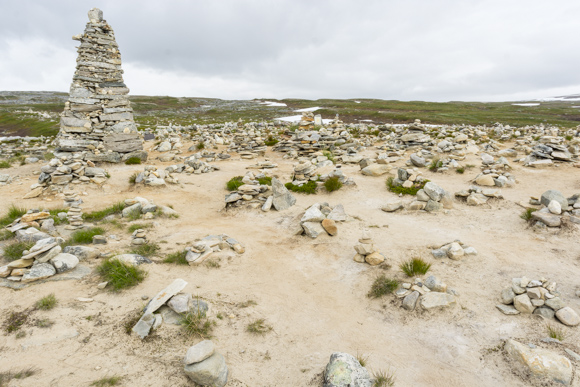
[270, 141]
[120, 275]
[435, 165]
[5, 235]
[329, 155]
[234, 183]
[147, 249]
[200, 146]
[307, 188]
[95, 216]
[415, 266]
[12, 214]
[266, 180]
[197, 324]
[555, 332]
[137, 226]
[133, 178]
[362, 359]
[405, 191]
[15, 321]
[332, 184]
[85, 236]
[14, 250]
[177, 257]
[382, 286]
[527, 214]
[212, 264]
[247, 303]
[107, 381]
[460, 170]
[5, 164]
[258, 327]
[46, 302]
[383, 378]
[6, 377]
[133, 160]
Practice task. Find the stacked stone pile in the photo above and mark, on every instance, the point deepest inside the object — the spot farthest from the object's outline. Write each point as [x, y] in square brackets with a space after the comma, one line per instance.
[367, 252]
[307, 121]
[455, 250]
[338, 173]
[306, 143]
[431, 198]
[375, 167]
[537, 296]
[98, 119]
[139, 206]
[156, 177]
[408, 178]
[139, 237]
[74, 217]
[204, 366]
[494, 178]
[477, 196]
[416, 135]
[249, 141]
[203, 249]
[304, 171]
[5, 179]
[44, 259]
[197, 165]
[32, 147]
[256, 195]
[321, 218]
[431, 294]
[555, 208]
[549, 149]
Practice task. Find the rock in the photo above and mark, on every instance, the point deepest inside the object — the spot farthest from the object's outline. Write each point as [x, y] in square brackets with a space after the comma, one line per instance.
[376, 170]
[434, 300]
[568, 316]
[56, 250]
[163, 296]
[550, 195]
[392, 207]
[554, 207]
[434, 284]
[507, 309]
[34, 193]
[516, 286]
[133, 259]
[313, 214]
[476, 199]
[5, 271]
[210, 372]
[555, 303]
[410, 301]
[455, 251]
[144, 325]
[313, 229]
[199, 352]
[132, 211]
[64, 262]
[38, 272]
[359, 258]
[523, 304]
[82, 252]
[20, 263]
[439, 253]
[374, 258]
[416, 206]
[329, 226]
[541, 362]
[282, 198]
[99, 240]
[434, 191]
[507, 296]
[168, 211]
[433, 206]
[268, 204]
[545, 312]
[337, 214]
[486, 180]
[364, 248]
[180, 303]
[418, 161]
[548, 219]
[343, 370]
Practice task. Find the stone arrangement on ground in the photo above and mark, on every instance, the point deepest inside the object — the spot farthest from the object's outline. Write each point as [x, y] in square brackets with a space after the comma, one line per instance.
[536, 296]
[367, 252]
[321, 219]
[97, 120]
[555, 209]
[205, 366]
[430, 294]
[208, 245]
[455, 250]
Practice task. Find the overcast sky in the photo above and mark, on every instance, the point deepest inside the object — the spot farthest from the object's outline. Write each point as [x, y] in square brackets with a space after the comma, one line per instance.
[432, 50]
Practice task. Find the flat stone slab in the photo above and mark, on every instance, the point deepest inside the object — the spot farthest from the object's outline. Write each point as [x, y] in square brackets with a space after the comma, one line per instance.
[79, 272]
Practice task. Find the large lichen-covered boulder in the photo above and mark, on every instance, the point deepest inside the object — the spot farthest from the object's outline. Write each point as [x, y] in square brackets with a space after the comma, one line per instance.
[343, 370]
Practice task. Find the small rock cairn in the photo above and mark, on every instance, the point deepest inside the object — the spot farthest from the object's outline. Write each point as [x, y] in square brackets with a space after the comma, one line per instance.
[367, 252]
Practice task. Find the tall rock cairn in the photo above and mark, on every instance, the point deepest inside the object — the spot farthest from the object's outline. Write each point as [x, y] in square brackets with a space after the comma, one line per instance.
[97, 120]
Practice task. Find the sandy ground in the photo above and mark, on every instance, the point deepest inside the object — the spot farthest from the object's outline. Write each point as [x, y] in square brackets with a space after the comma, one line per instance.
[310, 291]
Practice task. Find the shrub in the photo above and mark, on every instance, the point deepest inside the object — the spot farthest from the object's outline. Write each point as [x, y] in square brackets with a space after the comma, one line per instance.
[120, 275]
[382, 286]
[147, 249]
[415, 266]
[383, 379]
[85, 236]
[197, 324]
[14, 250]
[234, 183]
[266, 180]
[12, 214]
[95, 216]
[460, 170]
[133, 160]
[555, 332]
[108, 381]
[405, 191]
[527, 214]
[5, 164]
[46, 302]
[307, 188]
[332, 184]
[270, 141]
[177, 257]
[259, 327]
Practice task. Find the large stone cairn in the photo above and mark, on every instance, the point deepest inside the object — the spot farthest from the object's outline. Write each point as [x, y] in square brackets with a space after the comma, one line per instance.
[536, 296]
[98, 119]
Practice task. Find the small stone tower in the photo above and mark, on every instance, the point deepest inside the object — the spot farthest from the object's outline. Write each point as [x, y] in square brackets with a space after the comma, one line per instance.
[97, 120]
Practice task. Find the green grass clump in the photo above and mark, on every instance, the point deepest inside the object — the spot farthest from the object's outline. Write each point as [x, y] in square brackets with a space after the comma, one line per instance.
[120, 275]
[332, 184]
[212, 264]
[46, 302]
[200, 146]
[197, 324]
[415, 266]
[382, 286]
[569, 137]
[329, 155]
[527, 214]
[555, 332]
[108, 381]
[435, 165]
[138, 226]
[5, 164]
[95, 216]
[234, 183]
[307, 188]
[266, 180]
[147, 249]
[133, 160]
[383, 379]
[460, 170]
[5, 235]
[14, 250]
[258, 327]
[6, 377]
[405, 191]
[133, 178]
[270, 141]
[12, 214]
[85, 236]
[362, 359]
[177, 257]
[54, 215]
[15, 321]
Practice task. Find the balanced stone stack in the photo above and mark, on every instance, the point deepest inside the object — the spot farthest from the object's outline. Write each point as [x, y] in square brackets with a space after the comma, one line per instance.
[204, 366]
[72, 199]
[307, 121]
[304, 172]
[431, 294]
[74, 217]
[156, 177]
[555, 208]
[321, 218]
[138, 237]
[539, 297]
[68, 170]
[367, 252]
[98, 118]
[476, 196]
[495, 178]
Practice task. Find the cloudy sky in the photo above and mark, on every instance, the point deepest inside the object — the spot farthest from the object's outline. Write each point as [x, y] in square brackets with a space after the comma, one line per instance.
[432, 50]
